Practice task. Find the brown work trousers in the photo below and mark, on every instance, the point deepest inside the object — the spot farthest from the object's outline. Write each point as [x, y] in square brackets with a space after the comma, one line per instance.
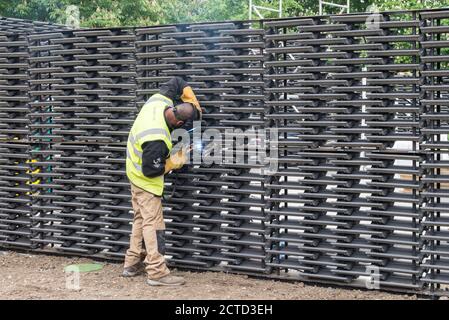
[148, 219]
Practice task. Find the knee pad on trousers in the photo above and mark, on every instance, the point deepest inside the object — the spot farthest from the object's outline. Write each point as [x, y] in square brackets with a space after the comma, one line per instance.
[160, 235]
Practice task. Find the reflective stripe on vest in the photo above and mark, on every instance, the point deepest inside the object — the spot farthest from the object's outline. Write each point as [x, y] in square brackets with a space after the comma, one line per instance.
[136, 165]
[143, 134]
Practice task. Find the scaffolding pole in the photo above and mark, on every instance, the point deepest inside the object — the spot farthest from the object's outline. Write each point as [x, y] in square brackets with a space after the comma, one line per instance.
[258, 10]
[344, 8]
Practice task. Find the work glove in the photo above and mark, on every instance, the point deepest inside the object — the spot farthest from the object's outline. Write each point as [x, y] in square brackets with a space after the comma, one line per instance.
[189, 96]
[176, 160]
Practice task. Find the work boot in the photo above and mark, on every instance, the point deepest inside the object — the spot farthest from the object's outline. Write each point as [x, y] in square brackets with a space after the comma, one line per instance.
[134, 270]
[167, 281]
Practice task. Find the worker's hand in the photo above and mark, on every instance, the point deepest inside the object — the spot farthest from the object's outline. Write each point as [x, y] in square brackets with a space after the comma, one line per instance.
[176, 161]
[189, 96]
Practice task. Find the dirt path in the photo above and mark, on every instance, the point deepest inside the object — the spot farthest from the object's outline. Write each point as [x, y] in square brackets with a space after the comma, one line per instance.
[27, 276]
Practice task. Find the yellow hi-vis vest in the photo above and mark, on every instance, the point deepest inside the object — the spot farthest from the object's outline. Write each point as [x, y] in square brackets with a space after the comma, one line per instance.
[149, 125]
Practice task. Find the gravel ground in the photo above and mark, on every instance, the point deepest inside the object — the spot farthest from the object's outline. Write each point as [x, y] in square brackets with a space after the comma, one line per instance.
[30, 276]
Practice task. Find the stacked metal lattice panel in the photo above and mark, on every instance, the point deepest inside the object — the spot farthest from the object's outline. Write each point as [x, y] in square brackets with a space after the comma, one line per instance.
[107, 91]
[353, 216]
[119, 108]
[89, 88]
[393, 88]
[45, 157]
[16, 26]
[200, 232]
[242, 112]
[361, 184]
[435, 147]
[18, 173]
[14, 165]
[301, 201]
[53, 78]
[345, 96]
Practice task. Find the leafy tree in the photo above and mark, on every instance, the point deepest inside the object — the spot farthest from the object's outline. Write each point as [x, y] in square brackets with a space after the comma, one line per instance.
[104, 13]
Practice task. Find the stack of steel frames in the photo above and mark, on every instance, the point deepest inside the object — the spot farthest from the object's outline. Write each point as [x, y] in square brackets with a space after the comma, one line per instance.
[15, 25]
[435, 148]
[15, 149]
[360, 112]
[90, 79]
[344, 97]
[216, 212]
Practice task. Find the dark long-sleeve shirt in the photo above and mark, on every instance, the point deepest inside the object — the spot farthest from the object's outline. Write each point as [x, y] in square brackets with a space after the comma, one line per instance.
[173, 88]
[153, 158]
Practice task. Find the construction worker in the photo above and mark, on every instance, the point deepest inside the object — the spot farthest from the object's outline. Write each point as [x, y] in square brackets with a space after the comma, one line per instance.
[148, 159]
